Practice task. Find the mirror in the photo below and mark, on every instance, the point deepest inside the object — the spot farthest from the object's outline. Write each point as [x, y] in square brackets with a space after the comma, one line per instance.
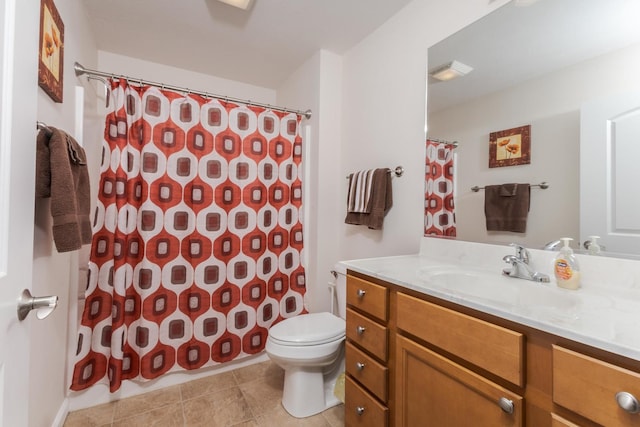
[535, 63]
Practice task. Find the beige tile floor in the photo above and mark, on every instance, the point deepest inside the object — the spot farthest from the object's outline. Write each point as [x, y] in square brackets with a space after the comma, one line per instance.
[245, 397]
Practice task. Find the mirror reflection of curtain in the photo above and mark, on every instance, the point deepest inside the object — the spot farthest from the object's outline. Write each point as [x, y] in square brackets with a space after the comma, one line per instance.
[197, 238]
[439, 210]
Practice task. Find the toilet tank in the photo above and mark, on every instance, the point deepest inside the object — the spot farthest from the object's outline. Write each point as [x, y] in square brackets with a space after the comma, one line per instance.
[341, 290]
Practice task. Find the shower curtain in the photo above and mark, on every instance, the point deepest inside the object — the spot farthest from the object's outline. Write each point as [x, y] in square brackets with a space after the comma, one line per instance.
[197, 238]
[439, 210]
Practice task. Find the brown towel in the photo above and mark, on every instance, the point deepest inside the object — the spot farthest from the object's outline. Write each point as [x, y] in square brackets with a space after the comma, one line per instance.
[380, 202]
[360, 185]
[506, 207]
[62, 174]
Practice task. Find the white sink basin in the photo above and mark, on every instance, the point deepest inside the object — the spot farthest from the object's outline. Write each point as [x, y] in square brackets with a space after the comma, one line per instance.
[533, 298]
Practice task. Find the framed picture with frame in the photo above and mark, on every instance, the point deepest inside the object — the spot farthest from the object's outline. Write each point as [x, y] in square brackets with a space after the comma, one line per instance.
[51, 50]
[510, 147]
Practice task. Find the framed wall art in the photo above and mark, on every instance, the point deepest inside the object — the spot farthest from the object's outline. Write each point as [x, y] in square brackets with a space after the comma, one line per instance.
[510, 147]
[51, 51]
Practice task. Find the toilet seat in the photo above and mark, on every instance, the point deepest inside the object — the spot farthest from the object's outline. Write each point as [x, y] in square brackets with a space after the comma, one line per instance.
[308, 329]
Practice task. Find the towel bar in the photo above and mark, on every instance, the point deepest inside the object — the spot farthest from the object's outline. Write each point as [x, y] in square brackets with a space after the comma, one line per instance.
[44, 127]
[543, 185]
[398, 171]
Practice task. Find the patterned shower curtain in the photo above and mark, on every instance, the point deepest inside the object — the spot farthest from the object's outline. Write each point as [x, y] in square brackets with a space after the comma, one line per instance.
[439, 211]
[197, 235]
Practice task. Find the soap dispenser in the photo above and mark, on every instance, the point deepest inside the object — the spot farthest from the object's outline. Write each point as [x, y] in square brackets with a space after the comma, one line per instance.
[594, 247]
[565, 267]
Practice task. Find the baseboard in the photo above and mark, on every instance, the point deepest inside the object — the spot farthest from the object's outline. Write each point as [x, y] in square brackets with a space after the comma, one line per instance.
[61, 416]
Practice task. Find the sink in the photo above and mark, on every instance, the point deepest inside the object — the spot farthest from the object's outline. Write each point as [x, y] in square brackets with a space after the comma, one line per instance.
[469, 282]
[543, 301]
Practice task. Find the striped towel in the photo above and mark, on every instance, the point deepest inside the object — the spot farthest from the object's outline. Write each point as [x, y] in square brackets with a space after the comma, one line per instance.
[360, 184]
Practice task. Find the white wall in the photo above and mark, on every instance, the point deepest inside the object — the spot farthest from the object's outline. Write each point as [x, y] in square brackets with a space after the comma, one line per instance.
[182, 77]
[317, 85]
[551, 104]
[384, 86]
[54, 273]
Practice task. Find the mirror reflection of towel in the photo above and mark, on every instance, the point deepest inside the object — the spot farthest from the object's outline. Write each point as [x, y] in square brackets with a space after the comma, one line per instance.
[380, 202]
[506, 207]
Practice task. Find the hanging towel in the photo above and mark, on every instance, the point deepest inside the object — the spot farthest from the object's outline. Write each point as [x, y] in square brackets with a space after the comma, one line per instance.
[506, 207]
[380, 201]
[62, 174]
[360, 184]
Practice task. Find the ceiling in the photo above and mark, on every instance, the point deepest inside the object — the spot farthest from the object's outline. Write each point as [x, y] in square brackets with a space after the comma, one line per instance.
[523, 40]
[261, 46]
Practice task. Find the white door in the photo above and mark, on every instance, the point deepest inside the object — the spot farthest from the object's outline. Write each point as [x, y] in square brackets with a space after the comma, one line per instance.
[610, 172]
[18, 97]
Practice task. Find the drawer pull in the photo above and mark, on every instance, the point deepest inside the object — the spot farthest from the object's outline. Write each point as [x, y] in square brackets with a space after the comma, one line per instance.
[361, 293]
[506, 405]
[628, 402]
[360, 330]
[360, 410]
[360, 366]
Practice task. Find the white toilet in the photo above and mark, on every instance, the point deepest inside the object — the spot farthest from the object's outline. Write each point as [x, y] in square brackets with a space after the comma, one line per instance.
[310, 349]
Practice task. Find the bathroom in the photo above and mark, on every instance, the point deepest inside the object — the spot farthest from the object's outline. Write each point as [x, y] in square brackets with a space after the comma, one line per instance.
[385, 72]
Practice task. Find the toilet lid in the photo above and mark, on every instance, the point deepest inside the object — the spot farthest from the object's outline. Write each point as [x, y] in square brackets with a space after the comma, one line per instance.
[309, 329]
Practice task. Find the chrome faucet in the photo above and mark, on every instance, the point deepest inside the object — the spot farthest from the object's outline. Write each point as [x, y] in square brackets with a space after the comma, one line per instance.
[520, 266]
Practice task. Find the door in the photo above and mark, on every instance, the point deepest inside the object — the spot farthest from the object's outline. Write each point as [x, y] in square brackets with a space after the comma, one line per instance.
[609, 172]
[18, 97]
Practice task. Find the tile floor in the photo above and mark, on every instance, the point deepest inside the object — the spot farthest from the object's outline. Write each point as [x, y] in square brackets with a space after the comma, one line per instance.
[245, 397]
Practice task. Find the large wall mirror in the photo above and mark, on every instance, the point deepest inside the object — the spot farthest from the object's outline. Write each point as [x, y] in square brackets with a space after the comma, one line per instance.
[569, 69]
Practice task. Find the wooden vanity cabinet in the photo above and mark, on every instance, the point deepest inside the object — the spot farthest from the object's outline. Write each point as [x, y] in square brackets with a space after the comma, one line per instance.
[428, 362]
[432, 390]
[589, 386]
[367, 350]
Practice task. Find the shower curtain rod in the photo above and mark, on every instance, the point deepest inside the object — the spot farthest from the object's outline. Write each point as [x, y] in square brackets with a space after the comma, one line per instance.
[80, 70]
[444, 141]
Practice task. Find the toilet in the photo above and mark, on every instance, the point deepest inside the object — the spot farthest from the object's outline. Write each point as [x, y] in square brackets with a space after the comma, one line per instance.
[310, 349]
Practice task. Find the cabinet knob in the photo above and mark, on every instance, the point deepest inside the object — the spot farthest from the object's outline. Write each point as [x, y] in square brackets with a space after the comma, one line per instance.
[361, 293]
[506, 405]
[628, 402]
[360, 366]
[360, 410]
[360, 330]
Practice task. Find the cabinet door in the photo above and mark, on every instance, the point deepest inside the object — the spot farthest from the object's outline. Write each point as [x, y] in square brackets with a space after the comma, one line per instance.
[434, 391]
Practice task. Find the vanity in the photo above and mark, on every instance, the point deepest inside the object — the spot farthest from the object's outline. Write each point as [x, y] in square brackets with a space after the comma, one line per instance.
[443, 339]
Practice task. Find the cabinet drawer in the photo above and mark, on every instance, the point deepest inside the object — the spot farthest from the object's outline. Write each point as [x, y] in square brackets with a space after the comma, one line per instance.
[367, 371]
[367, 334]
[490, 347]
[360, 409]
[589, 386]
[368, 297]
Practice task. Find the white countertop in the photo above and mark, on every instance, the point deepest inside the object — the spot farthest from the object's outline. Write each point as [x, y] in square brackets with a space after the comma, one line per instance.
[604, 317]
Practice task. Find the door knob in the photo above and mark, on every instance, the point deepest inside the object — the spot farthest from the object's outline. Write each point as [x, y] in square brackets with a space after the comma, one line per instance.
[43, 305]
